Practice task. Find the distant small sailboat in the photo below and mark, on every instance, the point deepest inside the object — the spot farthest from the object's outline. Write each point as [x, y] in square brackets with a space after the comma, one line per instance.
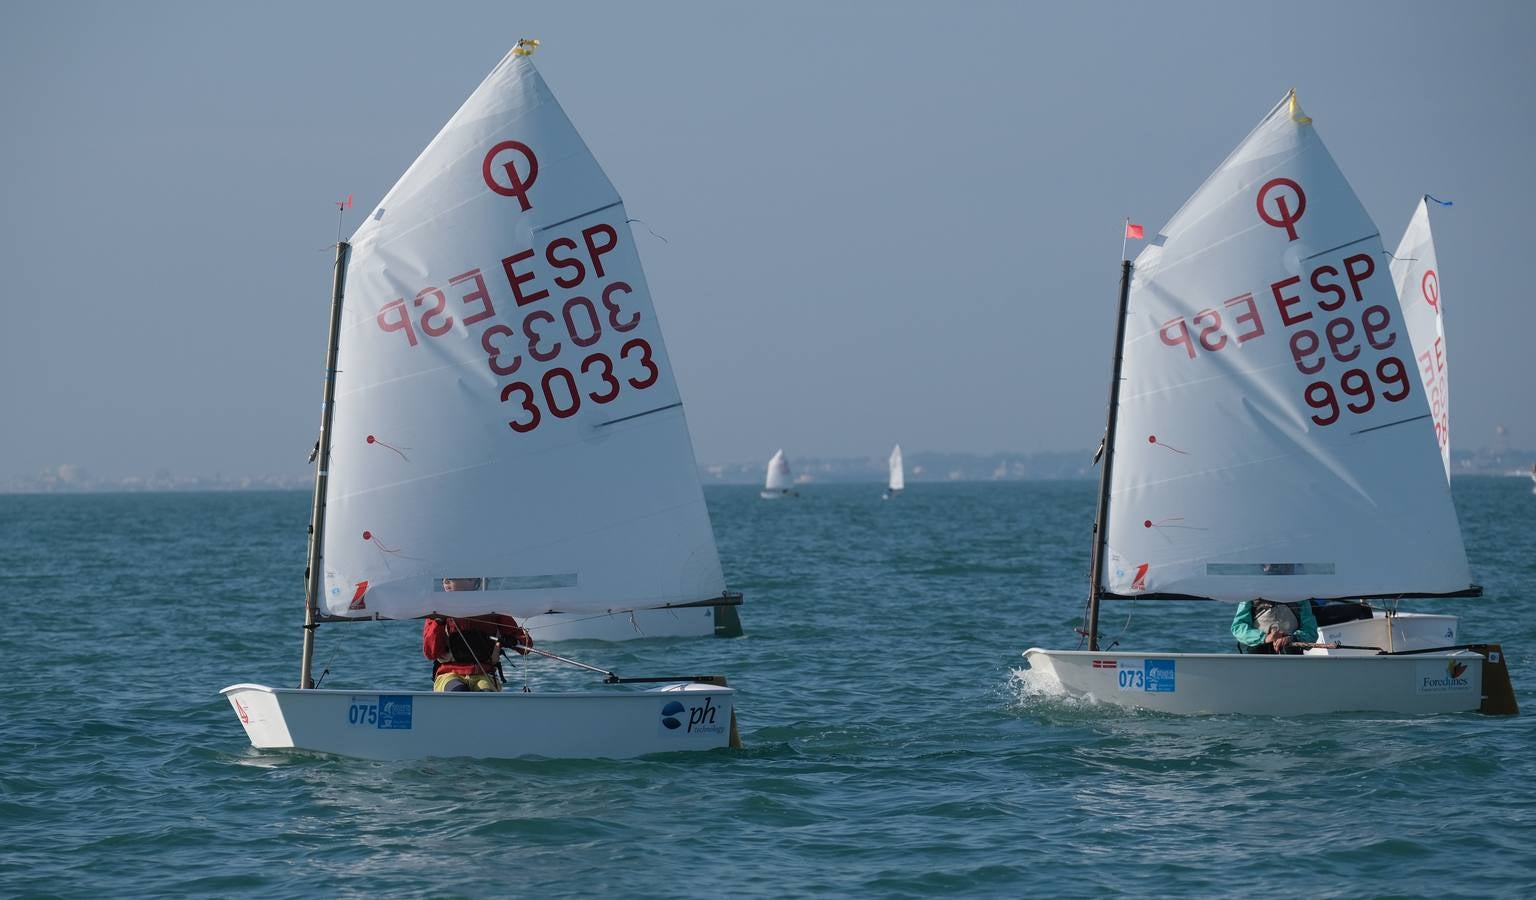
[897, 481]
[780, 483]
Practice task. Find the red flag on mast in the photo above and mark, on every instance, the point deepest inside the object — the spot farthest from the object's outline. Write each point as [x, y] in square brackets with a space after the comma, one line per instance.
[344, 204]
[1133, 232]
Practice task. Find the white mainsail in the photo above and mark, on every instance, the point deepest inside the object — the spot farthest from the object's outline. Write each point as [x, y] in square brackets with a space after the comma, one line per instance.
[505, 406]
[1272, 439]
[779, 478]
[898, 476]
[1417, 277]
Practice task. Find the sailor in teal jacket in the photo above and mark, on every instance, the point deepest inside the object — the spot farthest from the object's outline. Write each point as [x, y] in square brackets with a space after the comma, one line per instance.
[1263, 626]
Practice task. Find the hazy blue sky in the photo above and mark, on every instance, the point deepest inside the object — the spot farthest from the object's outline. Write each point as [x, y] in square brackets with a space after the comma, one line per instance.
[885, 221]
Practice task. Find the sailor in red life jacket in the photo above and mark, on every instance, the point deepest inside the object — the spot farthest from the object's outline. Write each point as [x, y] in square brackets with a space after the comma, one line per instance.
[466, 651]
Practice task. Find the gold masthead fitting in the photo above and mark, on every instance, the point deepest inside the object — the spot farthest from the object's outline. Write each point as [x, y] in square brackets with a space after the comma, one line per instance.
[1297, 116]
[525, 47]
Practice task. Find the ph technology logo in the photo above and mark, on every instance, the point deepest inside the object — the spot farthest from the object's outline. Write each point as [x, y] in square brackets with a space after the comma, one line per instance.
[702, 718]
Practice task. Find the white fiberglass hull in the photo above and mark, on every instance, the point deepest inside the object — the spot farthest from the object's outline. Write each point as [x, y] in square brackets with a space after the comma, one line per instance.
[414, 724]
[1203, 683]
[1396, 633]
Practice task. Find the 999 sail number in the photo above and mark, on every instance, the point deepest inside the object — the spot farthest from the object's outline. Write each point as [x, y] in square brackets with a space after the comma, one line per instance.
[1356, 385]
[1344, 344]
[561, 396]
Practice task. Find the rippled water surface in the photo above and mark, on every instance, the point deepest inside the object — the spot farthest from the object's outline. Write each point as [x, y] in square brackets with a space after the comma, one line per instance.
[889, 751]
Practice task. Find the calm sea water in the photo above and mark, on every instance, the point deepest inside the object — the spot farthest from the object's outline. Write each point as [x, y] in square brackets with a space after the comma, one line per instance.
[889, 752]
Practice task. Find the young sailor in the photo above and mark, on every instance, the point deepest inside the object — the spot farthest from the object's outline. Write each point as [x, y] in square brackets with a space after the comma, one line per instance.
[466, 651]
[1263, 626]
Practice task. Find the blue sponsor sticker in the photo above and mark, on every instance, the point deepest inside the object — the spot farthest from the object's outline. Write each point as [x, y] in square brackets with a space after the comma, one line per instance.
[690, 714]
[1159, 676]
[395, 710]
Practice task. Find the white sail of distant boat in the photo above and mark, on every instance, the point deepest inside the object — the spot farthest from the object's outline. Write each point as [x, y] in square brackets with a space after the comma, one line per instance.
[1267, 438]
[505, 414]
[1416, 275]
[779, 483]
[896, 481]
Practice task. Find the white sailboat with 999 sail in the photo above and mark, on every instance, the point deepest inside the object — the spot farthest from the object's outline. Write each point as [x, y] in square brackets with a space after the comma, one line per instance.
[500, 411]
[1267, 437]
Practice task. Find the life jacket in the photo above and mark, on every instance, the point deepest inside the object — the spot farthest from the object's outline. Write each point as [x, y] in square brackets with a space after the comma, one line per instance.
[471, 646]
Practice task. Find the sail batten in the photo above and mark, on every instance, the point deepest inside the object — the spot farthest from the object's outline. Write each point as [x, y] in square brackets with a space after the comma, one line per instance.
[507, 415]
[1272, 439]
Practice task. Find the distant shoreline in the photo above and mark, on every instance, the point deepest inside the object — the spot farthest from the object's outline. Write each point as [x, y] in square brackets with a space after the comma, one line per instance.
[912, 483]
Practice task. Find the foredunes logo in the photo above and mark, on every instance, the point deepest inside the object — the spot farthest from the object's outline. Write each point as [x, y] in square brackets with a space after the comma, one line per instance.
[1439, 677]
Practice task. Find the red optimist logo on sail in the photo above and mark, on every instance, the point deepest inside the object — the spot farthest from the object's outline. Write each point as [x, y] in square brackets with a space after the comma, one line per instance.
[502, 161]
[1287, 194]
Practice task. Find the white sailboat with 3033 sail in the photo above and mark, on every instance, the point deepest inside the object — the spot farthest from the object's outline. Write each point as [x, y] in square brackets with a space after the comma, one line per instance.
[1268, 437]
[499, 408]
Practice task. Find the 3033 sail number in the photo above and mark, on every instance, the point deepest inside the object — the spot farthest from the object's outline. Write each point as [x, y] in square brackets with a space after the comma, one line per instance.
[583, 326]
[562, 396]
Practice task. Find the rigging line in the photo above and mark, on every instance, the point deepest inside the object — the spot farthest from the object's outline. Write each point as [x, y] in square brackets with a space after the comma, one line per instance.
[495, 661]
[1446, 649]
[1343, 245]
[578, 216]
[1082, 633]
[327, 669]
[576, 620]
[1124, 628]
[558, 658]
[648, 228]
[1389, 425]
[639, 414]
